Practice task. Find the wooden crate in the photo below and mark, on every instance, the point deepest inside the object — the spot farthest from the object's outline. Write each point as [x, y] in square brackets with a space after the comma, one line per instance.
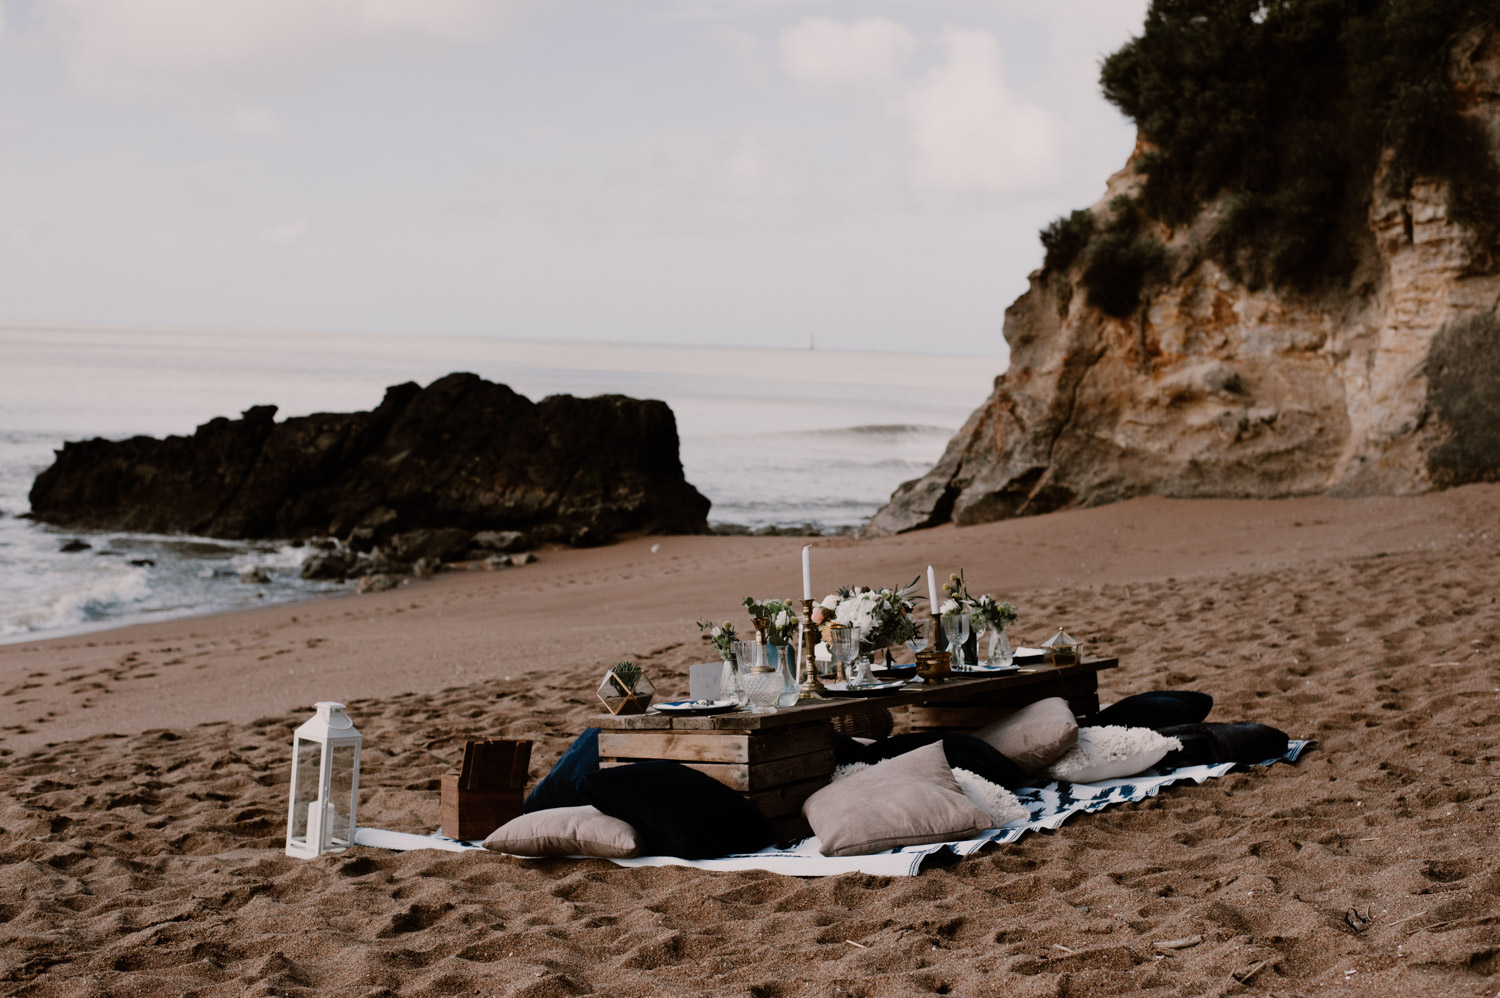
[488, 790]
[473, 814]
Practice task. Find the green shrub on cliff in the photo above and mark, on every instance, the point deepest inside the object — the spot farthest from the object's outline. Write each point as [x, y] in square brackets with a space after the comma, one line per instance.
[1284, 108]
[1121, 262]
[1066, 238]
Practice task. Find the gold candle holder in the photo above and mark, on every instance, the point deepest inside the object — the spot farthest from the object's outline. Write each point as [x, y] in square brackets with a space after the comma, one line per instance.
[812, 687]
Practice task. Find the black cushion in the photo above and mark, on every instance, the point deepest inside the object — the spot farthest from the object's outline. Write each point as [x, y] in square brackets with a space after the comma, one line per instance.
[846, 749]
[559, 788]
[1245, 743]
[678, 811]
[963, 751]
[1156, 710]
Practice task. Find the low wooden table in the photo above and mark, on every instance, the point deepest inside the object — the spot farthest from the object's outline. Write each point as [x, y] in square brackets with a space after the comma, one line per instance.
[779, 760]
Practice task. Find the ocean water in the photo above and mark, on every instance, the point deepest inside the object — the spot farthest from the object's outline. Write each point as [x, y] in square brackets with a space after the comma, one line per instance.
[772, 437]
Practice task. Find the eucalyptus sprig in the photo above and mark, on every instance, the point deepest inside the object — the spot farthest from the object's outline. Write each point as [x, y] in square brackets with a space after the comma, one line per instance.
[776, 618]
[996, 614]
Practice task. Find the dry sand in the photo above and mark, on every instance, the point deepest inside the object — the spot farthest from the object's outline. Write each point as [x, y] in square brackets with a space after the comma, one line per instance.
[143, 776]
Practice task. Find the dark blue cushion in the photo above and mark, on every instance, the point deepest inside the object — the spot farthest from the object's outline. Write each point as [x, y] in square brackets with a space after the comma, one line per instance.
[559, 788]
[1155, 710]
[678, 811]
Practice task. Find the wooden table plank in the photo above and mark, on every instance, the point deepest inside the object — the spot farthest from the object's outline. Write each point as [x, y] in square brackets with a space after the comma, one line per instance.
[952, 692]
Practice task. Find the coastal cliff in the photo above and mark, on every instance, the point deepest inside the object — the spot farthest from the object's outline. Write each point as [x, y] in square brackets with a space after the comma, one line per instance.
[461, 453]
[1205, 363]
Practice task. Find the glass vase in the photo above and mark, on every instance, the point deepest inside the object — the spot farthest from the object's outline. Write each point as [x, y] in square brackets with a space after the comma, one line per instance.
[1000, 652]
[783, 659]
[730, 687]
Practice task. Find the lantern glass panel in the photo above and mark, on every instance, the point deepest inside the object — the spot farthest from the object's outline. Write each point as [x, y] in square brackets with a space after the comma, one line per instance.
[305, 782]
[341, 797]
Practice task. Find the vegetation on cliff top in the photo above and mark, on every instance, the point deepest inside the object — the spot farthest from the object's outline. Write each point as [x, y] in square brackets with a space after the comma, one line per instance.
[1283, 109]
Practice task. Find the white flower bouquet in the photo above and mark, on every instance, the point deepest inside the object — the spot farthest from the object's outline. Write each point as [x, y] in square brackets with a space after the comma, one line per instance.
[882, 617]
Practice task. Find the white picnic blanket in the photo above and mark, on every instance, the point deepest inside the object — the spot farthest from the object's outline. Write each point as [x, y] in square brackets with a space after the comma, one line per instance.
[1049, 807]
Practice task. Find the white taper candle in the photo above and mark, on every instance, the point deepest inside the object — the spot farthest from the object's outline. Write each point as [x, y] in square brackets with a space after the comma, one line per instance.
[932, 590]
[807, 572]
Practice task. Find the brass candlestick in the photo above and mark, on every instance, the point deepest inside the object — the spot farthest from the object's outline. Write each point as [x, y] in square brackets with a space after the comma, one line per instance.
[812, 686]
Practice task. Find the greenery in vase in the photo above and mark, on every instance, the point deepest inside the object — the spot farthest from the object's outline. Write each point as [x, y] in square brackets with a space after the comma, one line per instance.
[721, 636]
[881, 616]
[986, 610]
[776, 618]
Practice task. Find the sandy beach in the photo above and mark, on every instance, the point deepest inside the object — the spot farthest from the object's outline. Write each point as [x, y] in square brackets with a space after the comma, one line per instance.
[144, 777]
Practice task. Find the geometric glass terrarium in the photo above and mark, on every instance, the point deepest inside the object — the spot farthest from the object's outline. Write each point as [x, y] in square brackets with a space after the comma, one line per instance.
[626, 690]
[1062, 649]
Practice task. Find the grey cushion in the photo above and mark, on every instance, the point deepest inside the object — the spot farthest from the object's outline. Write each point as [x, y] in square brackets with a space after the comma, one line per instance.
[1035, 735]
[566, 831]
[909, 800]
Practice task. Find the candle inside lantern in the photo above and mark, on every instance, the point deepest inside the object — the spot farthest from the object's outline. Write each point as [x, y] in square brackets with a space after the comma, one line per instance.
[932, 590]
[807, 572]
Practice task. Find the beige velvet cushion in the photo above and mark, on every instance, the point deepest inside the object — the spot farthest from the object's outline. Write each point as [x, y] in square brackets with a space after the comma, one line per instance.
[566, 831]
[1034, 736]
[909, 800]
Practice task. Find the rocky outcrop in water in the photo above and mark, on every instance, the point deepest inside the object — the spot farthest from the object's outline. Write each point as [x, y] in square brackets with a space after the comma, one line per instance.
[1390, 385]
[419, 474]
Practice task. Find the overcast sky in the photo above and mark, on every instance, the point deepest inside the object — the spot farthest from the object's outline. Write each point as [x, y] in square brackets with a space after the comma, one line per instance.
[748, 172]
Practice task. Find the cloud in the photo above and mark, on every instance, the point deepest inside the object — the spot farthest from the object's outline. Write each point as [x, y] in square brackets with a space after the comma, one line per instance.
[970, 130]
[746, 165]
[743, 47]
[255, 123]
[134, 45]
[870, 51]
[285, 233]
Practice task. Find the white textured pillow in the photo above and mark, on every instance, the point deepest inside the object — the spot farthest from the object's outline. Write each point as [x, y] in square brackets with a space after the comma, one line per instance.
[1110, 752]
[1000, 804]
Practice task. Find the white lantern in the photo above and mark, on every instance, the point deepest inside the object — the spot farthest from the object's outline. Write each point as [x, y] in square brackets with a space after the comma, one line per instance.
[325, 783]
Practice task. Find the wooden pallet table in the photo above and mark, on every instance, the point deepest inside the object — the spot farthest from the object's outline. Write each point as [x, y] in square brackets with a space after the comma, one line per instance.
[779, 760]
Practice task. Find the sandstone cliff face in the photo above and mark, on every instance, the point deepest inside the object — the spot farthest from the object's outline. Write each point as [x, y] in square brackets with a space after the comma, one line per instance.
[1213, 389]
[460, 453]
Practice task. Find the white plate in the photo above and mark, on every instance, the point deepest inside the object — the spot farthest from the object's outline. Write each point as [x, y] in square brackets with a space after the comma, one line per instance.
[696, 706]
[986, 670]
[868, 690]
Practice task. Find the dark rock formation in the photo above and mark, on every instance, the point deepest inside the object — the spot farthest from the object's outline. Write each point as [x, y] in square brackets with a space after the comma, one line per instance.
[424, 470]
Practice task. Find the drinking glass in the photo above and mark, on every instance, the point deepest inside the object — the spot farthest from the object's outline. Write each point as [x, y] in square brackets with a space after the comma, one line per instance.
[918, 642]
[843, 646]
[956, 630]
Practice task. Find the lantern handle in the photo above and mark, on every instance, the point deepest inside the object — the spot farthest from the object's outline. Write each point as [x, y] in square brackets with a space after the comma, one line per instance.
[333, 714]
